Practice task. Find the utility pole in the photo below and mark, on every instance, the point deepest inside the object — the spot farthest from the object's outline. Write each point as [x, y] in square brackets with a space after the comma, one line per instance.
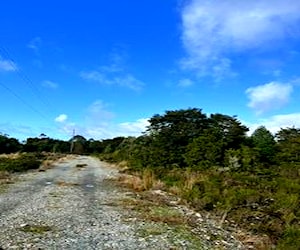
[72, 142]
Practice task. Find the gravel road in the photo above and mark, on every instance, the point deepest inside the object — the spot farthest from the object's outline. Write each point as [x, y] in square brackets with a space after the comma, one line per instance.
[72, 206]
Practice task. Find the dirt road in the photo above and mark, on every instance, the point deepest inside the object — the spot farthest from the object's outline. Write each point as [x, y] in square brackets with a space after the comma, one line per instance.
[73, 206]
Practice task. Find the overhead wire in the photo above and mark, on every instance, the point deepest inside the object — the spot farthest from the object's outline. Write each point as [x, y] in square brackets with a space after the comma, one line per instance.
[23, 101]
[7, 55]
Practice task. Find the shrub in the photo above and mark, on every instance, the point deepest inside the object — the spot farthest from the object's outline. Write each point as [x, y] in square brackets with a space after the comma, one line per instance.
[22, 163]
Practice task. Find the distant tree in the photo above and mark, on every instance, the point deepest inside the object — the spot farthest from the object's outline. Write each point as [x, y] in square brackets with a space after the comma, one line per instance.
[94, 146]
[43, 136]
[36, 145]
[9, 145]
[265, 144]
[60, 146]
[289, 144]
[111, 145]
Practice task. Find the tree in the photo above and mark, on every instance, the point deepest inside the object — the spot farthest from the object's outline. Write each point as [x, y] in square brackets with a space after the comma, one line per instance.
[95, 146]
[264, 143]
[38, 145]
[289, 144]
[172, 132]
[206, 150]
[231, 130]
[9, 145]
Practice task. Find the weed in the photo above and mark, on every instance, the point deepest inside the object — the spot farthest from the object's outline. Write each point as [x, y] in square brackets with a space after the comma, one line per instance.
[150, 230]
[165, 215]
[148, 179]
[37, 229]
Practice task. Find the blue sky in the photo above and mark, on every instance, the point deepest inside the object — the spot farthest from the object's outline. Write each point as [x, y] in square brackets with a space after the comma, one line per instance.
[104, 67]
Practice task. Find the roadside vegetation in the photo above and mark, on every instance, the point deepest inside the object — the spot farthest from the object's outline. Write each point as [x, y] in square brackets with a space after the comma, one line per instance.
[35, 153]
[211, 162]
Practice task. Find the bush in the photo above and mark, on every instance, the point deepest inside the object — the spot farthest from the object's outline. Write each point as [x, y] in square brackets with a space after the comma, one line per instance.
[22, 163]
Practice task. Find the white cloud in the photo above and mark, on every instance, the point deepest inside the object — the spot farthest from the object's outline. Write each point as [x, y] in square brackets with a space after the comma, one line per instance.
[100, 123]
[61, 118]
[129, 81]
[134, 128]
[123, 80]
[269, 96]
[115, 73]
[97, 113]
[212, 29]
[112, 130]
[185, 83]
[94, 76]
[7, 65]
[49, 84]
[276, 122]
[35, 44]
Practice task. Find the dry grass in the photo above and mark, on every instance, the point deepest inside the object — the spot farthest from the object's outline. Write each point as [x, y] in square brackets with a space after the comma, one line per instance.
[130, 181]
[146, 181]
[10, 156]
[259, 242]
[51, 160]
[175, 190]
[4, 175]
[122, 165]
[5, 178]
[191, 179]
[66, 184]
[46, 164]
[159, 185]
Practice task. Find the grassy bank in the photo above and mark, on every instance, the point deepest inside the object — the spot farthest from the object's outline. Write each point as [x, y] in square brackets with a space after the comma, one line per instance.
[263, 202]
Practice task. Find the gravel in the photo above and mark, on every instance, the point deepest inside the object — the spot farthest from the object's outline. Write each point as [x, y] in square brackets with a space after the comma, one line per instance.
[75, 206]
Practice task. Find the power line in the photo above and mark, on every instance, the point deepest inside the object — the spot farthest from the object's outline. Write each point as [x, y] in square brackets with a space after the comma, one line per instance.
[23, 101]
[29, 83]
[26, 103]
[24, 77]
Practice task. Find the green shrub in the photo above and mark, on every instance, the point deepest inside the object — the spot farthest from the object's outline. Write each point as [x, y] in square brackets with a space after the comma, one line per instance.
[290, 239]
[22, 163]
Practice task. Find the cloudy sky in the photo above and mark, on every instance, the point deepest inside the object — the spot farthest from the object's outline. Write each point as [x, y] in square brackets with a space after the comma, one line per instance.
[104, 67]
